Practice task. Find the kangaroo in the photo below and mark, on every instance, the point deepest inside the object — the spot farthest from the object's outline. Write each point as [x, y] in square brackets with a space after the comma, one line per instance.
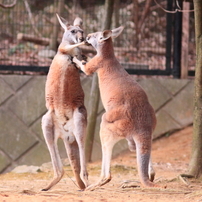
[66, 117]
[128, 113]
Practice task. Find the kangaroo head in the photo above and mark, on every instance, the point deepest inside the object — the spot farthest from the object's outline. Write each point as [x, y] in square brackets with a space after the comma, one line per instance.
[97, 39]
[73, 33]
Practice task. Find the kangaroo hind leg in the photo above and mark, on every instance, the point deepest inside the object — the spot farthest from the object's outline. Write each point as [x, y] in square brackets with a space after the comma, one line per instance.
[108, 140]
[74, 159]
[51, 141]
[143, 149]
[132, 148]
[80, 123]
[151, 173]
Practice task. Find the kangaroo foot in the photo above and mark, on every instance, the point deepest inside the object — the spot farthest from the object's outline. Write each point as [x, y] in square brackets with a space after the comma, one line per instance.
[99, 184]
[54, 182]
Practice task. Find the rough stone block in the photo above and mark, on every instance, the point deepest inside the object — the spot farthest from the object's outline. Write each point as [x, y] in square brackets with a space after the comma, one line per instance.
[181, 107]
[5, 91]
[173, 85]
[15, 138]
[26, 104]
[29, 102]
[38, 155]
[156, 93]
[36, 128]
[4, 161]
[165, 123]
[16, 81]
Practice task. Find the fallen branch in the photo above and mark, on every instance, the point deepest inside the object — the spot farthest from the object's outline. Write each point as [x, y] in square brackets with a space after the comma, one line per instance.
[30, 38]
[46, 41]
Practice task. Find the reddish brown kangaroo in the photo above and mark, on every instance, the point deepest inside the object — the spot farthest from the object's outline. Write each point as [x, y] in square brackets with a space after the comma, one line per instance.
[128, 112]
[66, 117]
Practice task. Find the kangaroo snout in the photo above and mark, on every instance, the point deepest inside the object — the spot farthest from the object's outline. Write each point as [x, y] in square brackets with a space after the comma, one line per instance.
[86, 43]
[79, 36]
[81, 39]
[88, 38]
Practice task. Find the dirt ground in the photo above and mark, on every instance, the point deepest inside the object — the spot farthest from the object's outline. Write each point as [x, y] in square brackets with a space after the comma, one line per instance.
[170, 156]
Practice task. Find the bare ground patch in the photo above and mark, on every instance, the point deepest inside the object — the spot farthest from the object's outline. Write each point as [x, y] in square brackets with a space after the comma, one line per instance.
[170, 156]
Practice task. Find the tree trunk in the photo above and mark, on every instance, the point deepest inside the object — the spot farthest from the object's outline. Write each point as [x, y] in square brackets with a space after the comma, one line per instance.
[92, 117]
[136, 19]
[185, 41]
[139, 20]
[116, 19]
[116, 12]
[195, 166]
[109, 4]
[59, 5]
[95, 95]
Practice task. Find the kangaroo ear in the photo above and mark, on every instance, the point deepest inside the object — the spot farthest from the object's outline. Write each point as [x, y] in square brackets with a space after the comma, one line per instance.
[105, 35]
[78, 22]
[62, 22]
[117, 31]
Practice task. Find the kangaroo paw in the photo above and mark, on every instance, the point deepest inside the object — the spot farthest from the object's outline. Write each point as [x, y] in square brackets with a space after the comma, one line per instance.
[83, 62]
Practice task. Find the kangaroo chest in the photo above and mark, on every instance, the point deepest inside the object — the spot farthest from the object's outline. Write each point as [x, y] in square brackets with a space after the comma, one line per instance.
[63, 87]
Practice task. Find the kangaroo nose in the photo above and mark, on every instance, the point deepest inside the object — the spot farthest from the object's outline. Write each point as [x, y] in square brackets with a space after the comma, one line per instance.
[81, 38]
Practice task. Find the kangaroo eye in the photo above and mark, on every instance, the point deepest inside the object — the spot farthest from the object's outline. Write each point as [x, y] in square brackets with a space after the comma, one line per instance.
[73, 31]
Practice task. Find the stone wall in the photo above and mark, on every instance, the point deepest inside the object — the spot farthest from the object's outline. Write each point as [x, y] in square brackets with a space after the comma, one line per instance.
[22, 105]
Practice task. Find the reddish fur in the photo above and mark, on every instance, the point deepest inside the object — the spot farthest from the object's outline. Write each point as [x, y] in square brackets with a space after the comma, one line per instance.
[121, 95]
[66, 117]
[128, 112]
[63, 87]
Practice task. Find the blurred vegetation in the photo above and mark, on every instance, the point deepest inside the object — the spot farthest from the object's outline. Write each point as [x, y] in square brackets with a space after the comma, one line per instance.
[143, 40]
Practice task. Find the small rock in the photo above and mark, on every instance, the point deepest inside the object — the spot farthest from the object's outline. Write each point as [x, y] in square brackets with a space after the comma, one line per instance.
[46, 167]
[26, 169]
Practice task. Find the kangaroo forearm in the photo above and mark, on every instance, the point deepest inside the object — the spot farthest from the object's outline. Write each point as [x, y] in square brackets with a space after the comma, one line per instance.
[70, 49]
[89, 69]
